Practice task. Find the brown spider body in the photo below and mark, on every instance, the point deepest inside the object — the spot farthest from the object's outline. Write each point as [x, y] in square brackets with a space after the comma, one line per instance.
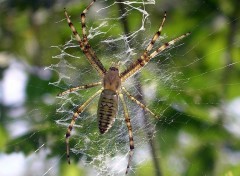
[108, 101]
[111, 84]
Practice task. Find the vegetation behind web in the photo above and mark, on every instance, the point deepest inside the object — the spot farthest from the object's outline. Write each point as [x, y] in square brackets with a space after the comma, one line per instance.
[195, 85]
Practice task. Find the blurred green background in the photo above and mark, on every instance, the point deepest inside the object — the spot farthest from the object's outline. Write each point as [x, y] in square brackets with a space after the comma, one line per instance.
[199, 133]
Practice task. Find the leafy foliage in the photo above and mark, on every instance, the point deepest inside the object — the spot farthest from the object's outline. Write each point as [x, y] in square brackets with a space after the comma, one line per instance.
[194, 136]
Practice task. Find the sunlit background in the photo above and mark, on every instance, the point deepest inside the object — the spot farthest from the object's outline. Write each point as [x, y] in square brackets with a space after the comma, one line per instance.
[193, 86]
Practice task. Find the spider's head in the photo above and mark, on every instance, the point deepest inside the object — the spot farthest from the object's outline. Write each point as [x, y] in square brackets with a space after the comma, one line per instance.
[114, 66]
[111, 79]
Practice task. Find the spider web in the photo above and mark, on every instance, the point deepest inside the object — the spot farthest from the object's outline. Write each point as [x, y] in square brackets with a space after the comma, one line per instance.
[108, 153]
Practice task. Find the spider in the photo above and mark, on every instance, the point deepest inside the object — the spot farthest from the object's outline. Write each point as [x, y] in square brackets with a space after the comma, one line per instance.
[111, 83]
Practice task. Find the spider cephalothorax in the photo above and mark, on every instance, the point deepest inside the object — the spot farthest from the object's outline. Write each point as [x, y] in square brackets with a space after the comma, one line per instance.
[112, 80]
[111, 83]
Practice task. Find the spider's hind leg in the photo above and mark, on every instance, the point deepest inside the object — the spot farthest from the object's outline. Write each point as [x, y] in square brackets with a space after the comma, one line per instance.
[130, 133]
[144, 107]
[74, 118]
[74, 89]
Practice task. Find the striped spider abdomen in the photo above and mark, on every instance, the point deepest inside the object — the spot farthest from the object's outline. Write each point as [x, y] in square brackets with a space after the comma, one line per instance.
[107, 110]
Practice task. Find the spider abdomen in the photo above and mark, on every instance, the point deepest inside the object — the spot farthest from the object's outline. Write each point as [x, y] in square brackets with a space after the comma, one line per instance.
[107, 110]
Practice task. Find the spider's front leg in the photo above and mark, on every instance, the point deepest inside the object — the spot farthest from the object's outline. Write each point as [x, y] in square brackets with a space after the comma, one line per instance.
[145, 57]
[155, 37]
[166, 45]
[83, 19]
[85, 46]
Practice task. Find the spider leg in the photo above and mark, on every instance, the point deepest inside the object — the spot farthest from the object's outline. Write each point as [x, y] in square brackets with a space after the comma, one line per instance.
[155, 37]
[74, 118]
[74, 89]
[145, 58]
[74, 31]
[85, 39]
[83, 19]
[129, 126]
[166, 45]
[127, 73]
[139, 103]
[86, 49]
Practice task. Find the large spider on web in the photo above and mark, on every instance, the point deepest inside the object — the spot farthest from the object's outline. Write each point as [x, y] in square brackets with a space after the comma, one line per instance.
[111, 83]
